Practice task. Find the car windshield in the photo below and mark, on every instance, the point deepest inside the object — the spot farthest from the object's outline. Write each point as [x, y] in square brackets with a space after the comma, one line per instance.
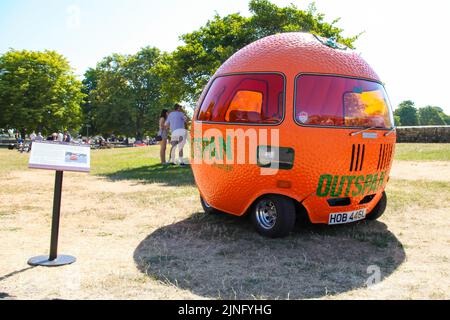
[342, 102]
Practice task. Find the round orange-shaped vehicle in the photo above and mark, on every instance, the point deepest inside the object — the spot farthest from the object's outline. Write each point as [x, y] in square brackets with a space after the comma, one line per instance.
[294, 123]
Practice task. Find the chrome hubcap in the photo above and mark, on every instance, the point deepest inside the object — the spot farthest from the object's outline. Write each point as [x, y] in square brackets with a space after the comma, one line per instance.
[266, 214]
[206, 204]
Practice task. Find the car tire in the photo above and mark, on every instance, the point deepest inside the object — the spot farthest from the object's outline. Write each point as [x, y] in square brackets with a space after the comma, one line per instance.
[273, 216]
[207, 208]
[379, 209]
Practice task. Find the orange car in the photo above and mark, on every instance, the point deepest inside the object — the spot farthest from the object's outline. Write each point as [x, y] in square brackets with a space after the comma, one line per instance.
[294, 123]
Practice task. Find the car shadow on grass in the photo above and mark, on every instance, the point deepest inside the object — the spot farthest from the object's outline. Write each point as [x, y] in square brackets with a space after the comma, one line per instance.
[220, 256]
[167, 175]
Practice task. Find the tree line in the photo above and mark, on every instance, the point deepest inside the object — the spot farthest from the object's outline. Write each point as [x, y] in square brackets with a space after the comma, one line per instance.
[124, 94]
[406, 114]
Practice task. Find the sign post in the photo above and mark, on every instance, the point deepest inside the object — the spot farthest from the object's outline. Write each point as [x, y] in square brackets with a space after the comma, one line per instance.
[60, 157]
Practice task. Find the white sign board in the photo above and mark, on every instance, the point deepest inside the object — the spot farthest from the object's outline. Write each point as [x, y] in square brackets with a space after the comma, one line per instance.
[60, 156]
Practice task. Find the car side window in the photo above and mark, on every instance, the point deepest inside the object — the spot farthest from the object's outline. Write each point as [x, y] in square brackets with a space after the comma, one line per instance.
[244, 98]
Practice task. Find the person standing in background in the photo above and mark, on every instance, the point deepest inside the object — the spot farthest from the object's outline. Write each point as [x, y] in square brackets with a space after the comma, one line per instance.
[18, 137]
[67, 137]
[163, 133]
[32, 140]
[60, 137]
[39, 137]
[176, 121]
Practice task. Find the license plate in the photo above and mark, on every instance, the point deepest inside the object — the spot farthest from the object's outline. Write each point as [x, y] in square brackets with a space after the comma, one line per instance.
[347, 217]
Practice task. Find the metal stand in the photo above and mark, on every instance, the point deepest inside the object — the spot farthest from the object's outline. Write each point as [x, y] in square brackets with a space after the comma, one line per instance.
[53, 260]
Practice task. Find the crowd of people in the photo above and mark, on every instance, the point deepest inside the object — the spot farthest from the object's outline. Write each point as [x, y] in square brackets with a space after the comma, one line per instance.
[172, 131]
[56, 136]
[25, 141]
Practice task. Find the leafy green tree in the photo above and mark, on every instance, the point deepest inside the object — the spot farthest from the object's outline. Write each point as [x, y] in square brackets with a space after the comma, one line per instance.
[90, 83]
[205, 49]
[145, 89]
[397, 121]
[126, 93]
[429, 116]
[38, 91]
[269, 19]
[109, 102]
[445, 117]
[407, 113]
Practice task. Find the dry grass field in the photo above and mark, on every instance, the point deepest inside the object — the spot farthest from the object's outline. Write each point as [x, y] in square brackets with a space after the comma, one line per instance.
[138, 232]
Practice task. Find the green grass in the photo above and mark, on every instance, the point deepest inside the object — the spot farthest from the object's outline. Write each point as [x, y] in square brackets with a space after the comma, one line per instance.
[423, 152]
[11, 160]
[116, 164]
[141, 164]
[103, 162]
[107, 162]
[420, 193]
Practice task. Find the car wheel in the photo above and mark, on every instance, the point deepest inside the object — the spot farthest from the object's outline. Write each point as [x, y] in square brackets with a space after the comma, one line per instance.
[379, 209]
[273, 216]
[207, 207]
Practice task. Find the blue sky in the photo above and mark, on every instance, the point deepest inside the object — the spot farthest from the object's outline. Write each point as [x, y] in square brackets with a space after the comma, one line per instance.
[406, 42]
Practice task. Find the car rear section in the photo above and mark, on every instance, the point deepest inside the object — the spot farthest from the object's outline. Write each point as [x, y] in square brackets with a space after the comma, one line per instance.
[348, 141]
[351, 179]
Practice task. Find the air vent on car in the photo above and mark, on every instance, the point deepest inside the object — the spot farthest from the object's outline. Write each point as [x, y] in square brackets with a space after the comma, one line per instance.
[339, 202]
[367, 199]
[385, 156]
[358, 153]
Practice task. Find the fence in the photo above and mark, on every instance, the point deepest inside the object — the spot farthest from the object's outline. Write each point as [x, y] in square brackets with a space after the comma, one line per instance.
[424, 134]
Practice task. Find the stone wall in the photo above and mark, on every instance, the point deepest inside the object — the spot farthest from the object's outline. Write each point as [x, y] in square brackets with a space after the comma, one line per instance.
[424, 134]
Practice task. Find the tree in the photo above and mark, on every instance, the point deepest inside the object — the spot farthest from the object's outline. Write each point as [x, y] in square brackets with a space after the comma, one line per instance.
[407, 113]
[125, 93]
[38, 91]
[205, 49]
[144, 89]
[429, 116]
[269, 19]
[90, 83]
[445, 117]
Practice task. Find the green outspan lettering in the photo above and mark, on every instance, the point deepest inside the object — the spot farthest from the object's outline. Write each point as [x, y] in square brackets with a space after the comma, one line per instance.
[197, 147]
[337, 193]
[320, 192]
[334, 186]
[358, 186]
[224, 149]
[228, 148]
[208, 147]
[205, 144]
[350, 181]
[212, 147]
[367, 184]
[374, 185]
[382, 176]
[220, 149]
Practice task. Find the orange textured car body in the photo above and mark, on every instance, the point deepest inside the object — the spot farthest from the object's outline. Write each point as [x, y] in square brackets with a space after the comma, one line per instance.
[331, 162]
